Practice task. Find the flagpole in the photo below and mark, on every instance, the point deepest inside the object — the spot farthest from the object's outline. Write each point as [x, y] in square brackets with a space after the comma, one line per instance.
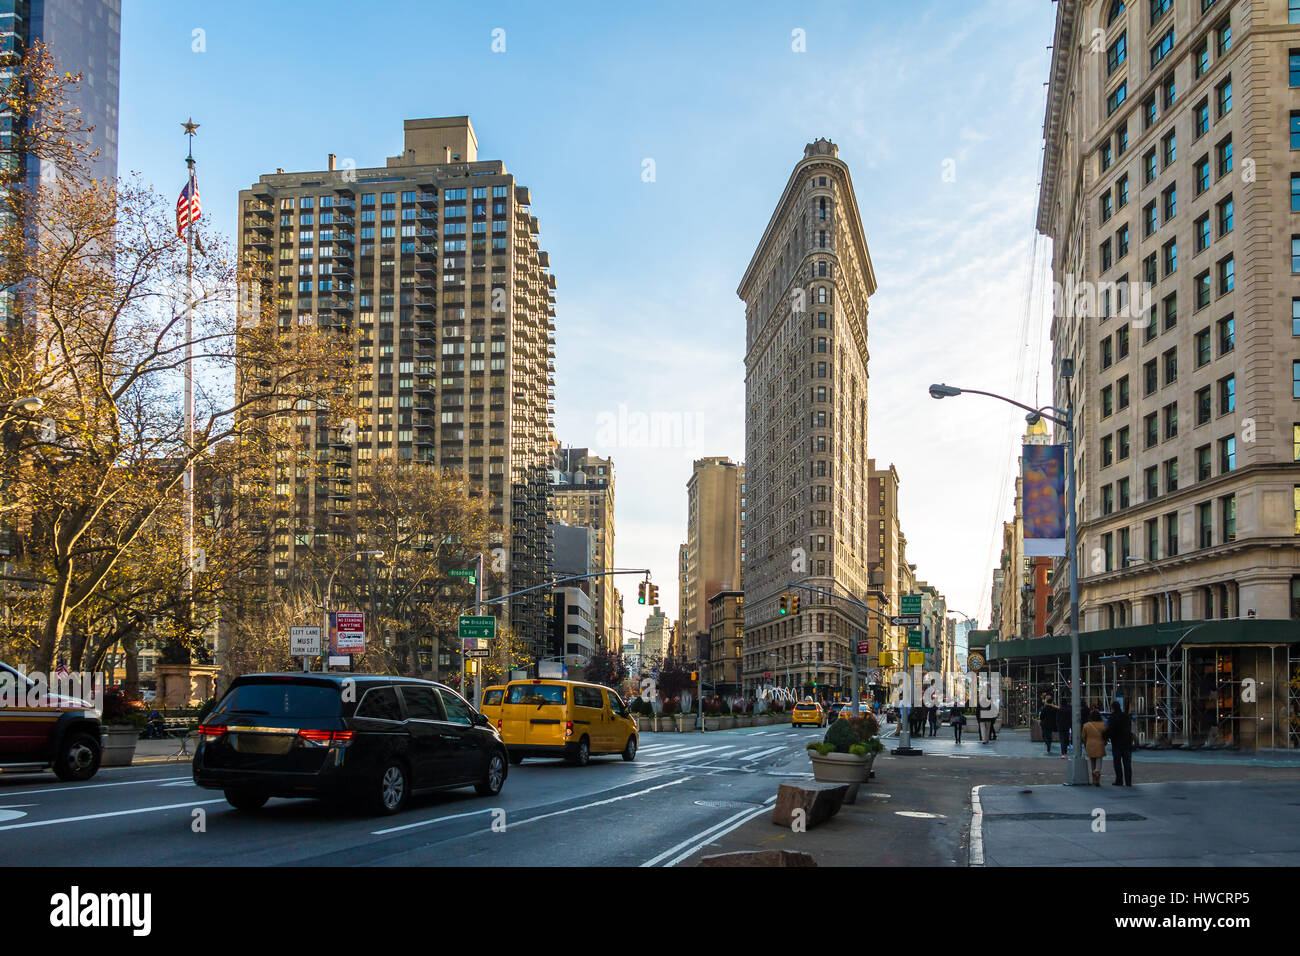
[190, 128]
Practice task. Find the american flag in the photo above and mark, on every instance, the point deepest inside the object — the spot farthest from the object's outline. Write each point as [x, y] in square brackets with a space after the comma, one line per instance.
[188, 209]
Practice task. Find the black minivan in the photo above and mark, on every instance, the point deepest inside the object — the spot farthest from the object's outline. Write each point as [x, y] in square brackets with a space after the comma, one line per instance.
[369, 739]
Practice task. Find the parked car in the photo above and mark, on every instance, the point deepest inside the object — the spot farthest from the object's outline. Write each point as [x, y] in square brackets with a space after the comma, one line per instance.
[546, 717]
[302, 735]
[44, 731]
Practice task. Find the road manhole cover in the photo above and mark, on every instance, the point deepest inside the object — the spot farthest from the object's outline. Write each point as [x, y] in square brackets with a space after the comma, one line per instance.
[726, 804]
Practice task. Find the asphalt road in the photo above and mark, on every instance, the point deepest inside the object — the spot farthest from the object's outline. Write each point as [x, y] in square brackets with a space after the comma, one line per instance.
[682, 792]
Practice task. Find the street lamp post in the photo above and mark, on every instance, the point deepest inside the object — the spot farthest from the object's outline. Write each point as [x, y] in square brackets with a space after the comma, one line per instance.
[1078, 772]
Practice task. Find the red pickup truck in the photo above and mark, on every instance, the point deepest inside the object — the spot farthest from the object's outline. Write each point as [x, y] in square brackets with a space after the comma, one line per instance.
[39, 730]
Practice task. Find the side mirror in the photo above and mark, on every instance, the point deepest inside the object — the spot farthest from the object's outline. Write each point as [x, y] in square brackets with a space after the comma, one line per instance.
[481, 721]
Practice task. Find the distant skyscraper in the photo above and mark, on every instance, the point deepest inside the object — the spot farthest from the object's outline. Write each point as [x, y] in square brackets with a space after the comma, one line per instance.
[805, 293]
[582, 489]
[709, 562]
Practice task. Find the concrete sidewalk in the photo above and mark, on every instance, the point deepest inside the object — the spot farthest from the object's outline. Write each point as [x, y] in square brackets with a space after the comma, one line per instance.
[1016, 743]
[1177, 823]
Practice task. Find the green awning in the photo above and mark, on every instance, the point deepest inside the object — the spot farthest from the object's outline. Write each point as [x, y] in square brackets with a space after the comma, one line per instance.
[1233, 631]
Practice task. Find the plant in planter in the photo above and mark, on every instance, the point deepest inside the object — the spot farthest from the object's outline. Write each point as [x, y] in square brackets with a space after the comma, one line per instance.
[122, 721]
[848, 750]
[667, 719]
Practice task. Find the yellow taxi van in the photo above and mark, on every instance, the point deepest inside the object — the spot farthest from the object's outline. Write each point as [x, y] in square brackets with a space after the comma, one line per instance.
[547, 717]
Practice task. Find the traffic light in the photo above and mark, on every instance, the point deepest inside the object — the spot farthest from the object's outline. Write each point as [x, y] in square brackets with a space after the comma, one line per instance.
[794, 604]
[640, 592]
[785, 604]
[695, 676]
[653, 591]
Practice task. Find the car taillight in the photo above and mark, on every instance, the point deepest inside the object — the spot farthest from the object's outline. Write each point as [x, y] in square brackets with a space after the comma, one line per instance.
[321, 738]
[568, 728]
[212, 731]
[498, 724]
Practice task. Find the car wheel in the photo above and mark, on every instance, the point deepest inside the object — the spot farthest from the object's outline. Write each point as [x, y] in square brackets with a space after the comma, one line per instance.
[582, 756]
[246, 800]
[629, 752]
[516, 759]
[78, 758]
[495, 777]
[391, 789]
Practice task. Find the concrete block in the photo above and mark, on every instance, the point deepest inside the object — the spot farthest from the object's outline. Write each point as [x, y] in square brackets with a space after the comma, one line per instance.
[818, 801]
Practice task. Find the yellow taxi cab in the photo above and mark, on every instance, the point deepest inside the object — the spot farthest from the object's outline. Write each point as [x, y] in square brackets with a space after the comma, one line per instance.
[808, 712]
[490, 705]
[546, 717]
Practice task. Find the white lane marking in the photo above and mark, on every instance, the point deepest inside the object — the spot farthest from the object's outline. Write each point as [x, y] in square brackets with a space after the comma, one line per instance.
[90, 786]
[543, 816]
[179, 783]
[660, 750]
[104, 816]
[919, 814]
[976, 829]
[423, 823]
[692, 752]
[762, 753]
[9, 813]
[702, 835]
[758, 811]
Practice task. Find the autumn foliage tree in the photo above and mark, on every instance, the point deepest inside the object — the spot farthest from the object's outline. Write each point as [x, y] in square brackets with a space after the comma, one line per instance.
[97, 330]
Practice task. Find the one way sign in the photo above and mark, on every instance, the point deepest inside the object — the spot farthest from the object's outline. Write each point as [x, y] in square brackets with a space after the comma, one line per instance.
[909, 619]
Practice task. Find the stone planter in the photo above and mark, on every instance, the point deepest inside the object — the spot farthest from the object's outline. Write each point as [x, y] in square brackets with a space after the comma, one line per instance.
[729, 722]
[841, 768]
[743, 720]
[685, 723]
[645, 723]
[714, 723]
[119, 742]
[763, 720]
[664, 724]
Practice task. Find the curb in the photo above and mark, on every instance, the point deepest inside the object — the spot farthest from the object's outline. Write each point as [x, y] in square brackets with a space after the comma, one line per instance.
[976, 829]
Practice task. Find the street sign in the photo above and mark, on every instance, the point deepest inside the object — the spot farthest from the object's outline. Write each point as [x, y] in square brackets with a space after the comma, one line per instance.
[467, 573]
[349, 632]
[471, 653]
[907, 619]
[910, 604]
[342, 661]
[864, 647]
[974, 660]
[914, 640]
[916, 657]
[473, 626]
[304, 641]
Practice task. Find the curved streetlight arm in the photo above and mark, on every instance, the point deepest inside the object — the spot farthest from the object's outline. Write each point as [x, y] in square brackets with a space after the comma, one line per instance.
[1050, 412]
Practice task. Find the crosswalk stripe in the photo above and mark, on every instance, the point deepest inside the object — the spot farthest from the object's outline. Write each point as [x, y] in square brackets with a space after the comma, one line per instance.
[762, 753]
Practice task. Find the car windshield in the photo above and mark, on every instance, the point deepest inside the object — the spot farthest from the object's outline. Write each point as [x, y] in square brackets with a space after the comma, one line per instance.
[536, 694]
[281, 699]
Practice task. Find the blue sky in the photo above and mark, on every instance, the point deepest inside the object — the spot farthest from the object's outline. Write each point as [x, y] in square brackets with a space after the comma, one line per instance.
[647, 313]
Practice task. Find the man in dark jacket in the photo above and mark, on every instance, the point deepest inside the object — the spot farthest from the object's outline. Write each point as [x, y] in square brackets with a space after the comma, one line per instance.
[1120, 734]
[1063, 727]
[1047, 721]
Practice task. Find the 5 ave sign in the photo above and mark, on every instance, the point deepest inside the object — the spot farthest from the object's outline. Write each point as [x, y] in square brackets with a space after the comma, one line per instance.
[477, 626]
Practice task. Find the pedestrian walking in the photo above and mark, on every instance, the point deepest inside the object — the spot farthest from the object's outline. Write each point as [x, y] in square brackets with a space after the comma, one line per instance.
[1047, 721]
[958, 721]
[1120, 734]
[1063, 728]
[933, 711]
[1094, 743]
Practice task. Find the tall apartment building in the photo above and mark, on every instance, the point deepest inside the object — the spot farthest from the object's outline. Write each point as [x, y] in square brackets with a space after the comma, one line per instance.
[433, 260]
[710, 560]
[582, 486]
[806, 292]
[1171, 135]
